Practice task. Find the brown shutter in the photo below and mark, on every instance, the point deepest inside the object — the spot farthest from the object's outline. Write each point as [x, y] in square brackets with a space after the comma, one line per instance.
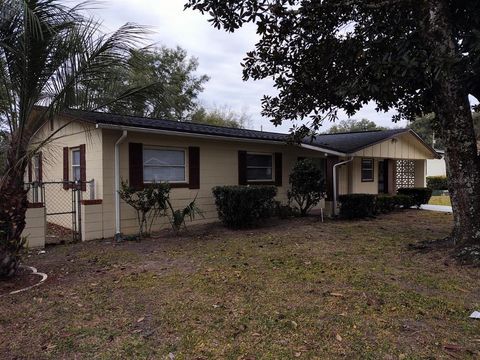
[194, 167]
[29, 170]
[40, 167]
[66, 185]
[83, 173]
[278, 169]
[242, 168]
[135, 163]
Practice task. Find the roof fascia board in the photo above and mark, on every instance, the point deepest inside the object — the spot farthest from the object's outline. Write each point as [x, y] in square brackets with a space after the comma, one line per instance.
[185, 134]
[319, 149]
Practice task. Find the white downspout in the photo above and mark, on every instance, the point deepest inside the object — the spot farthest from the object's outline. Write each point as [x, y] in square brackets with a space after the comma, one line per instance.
[335, 183]
[118, 234]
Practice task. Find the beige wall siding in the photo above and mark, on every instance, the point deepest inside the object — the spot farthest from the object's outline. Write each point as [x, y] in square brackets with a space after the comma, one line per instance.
[72, 134]
[357, 185]
[218, 166]
[404, 146]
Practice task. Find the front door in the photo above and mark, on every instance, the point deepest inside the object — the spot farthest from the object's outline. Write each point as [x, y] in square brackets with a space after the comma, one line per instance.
[383, 177]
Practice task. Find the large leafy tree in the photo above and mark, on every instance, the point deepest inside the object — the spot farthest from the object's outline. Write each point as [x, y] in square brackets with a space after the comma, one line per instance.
[350, 125]
[414, 56]
[176, 88]
[220, 116]
[49, 54]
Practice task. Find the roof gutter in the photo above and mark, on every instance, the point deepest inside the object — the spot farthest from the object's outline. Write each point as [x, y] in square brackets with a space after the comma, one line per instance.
[335, 183]
[327, 151]
[186, 134]
[207, 136]
[121, 139]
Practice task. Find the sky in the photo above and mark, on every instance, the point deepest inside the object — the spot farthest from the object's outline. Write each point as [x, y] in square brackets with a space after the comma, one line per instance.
[219, 54]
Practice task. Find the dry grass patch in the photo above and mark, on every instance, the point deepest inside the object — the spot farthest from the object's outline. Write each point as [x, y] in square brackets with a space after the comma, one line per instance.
[296, 289]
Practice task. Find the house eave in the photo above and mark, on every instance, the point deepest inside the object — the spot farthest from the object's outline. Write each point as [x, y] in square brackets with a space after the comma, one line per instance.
[185, 134]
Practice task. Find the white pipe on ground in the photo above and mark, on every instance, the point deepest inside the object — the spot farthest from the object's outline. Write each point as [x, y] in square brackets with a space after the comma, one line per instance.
[335, 183]
[118, 235]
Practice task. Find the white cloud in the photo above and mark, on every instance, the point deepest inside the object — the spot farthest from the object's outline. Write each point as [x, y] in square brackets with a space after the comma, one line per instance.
[219, 53]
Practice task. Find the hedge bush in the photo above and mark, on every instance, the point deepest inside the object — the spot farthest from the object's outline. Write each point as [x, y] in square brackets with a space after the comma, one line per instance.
[244, 206]
[357, 206]
[419, 195]
[437, 182]
[388, 203]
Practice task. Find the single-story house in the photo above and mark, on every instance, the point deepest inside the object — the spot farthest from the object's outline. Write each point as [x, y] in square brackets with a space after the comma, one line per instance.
[104, 149]
[437, 167]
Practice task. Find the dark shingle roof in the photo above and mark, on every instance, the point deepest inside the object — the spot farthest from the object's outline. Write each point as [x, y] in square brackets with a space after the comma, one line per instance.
[353, 141]
[180, 126]
[341, 142]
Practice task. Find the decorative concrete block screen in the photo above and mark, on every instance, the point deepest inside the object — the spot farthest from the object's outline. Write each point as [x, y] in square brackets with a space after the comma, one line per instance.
[405, 174]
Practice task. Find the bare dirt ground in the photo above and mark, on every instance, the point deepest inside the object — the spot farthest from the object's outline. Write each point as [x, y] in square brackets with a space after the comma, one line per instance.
[294, 289]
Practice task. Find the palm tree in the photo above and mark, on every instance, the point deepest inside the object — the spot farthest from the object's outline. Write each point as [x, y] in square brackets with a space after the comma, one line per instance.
[49, 54]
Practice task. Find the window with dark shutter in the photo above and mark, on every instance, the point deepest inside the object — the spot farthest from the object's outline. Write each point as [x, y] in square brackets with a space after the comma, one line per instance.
[242, 168]
[135, 160]
[278, 169]
[66, 170]
[194, 167]
[83, 168]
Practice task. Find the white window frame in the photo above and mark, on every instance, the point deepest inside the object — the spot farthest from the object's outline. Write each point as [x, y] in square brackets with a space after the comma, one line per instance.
[261, 167]
[372, 169]
[72, 166]
[185, 167]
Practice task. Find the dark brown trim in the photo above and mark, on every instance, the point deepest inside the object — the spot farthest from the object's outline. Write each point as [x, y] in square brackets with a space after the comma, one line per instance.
[91, 202]
[242, 167]
[66, 170]
[253, 182]
[278, 169]
[135, 165]
[194, 167]
[182, 185]
[373, 170]
[330, 161]
[36, 205]
[83, 168]
[40, 167]
[29, 170]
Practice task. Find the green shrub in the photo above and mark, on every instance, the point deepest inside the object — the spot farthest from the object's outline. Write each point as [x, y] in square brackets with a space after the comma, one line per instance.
[385, 204]
[357, 206]
[437, 182]
[285, 211]
[404, 201]
[307, 186]
[149, 203]
[244, 206]
[419, 195]
[388, 203]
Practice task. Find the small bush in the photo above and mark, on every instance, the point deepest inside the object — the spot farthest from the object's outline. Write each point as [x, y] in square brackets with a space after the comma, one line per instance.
[285, 211]
[419, 195]
[404, 201]
[357, 206]
[437, 182]
[388, 203]
[307, 186]
[385, 204]
[244, 206]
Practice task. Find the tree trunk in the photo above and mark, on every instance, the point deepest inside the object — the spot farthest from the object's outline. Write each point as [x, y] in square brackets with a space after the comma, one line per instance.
[453, 113]
[13, 206]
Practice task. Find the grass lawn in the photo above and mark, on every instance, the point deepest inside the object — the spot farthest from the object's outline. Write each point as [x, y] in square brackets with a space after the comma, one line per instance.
[440, 200]
[295, 289]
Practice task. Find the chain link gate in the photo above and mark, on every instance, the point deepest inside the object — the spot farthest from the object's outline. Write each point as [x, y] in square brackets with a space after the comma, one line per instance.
[62, 204]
